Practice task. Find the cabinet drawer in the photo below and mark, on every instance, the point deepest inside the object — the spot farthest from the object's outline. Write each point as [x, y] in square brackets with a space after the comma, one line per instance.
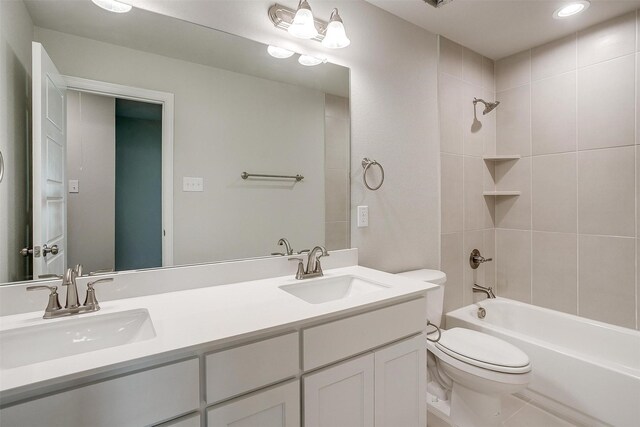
[340, 339]
[138, 399]
[275, 407]
[242, 369]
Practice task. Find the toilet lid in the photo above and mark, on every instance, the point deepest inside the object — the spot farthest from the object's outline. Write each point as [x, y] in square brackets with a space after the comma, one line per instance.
[436, 277]
[483, 350]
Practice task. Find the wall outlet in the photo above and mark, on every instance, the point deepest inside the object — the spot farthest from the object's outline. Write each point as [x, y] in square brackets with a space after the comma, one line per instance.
[190, 183]
[74, 186]
[363, 216]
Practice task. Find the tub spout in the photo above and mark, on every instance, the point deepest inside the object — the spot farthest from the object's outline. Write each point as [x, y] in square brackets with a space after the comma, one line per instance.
[487, 290]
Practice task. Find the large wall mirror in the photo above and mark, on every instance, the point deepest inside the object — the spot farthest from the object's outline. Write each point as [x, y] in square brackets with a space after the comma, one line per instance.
[137, 134]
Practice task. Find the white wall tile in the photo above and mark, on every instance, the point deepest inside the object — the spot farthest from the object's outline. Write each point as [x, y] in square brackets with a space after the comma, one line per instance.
[452, 261]
[474, 203]
[513, 71]
[472, 240]
[513, 121]
[553, 114]
[513, 249]
[474, 132]
[451, 91]
[555, 189]
[514, 212]
[606, 279]
[608, 40]
[472, 67]
[554, 58]
[606, 192]
[555, 271]
[450, 57]
[606, 104]
[489, 126]
[452, 195]
[488, 74]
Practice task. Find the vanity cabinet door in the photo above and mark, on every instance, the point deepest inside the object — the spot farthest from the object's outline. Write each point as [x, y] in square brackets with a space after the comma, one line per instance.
[400, 384]
[275, 407]
[340, 396]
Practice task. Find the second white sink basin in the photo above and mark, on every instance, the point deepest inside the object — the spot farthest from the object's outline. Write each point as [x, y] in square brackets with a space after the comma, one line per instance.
[68, 337]
[317, 291]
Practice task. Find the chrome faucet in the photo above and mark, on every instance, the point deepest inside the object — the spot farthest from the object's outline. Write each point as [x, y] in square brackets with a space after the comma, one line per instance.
[287, 246]
[72, 305]
[487, 290]
[314, 269]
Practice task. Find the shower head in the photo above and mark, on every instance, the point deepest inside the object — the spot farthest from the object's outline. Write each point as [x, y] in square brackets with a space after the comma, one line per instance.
[488, 106]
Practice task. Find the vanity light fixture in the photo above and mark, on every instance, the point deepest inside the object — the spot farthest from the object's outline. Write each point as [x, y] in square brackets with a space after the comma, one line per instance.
[113, 6]
[301, 23]
[571, 9]
[335, 36]
[310, 61]
[279, 52]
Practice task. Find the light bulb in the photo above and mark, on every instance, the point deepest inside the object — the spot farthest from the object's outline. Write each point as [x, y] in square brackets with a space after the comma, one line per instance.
[303, 25]
[278, 52]
[310, 61]
[113, 6]
[335, 36]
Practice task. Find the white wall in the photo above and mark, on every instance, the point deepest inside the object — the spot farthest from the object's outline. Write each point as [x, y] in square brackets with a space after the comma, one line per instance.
[225, 123]
[91, 159]
[16, 30]
[394, 116]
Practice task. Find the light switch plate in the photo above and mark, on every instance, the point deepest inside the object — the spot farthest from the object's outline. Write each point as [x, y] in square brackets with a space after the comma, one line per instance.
[74, 186]
[191, 183]
[363, 216]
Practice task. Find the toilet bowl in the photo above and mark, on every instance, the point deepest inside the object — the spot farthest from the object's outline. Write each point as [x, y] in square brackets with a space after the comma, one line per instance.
[469, 371]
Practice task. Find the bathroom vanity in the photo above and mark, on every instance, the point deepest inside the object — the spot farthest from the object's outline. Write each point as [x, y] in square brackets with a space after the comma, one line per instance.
[269, 352]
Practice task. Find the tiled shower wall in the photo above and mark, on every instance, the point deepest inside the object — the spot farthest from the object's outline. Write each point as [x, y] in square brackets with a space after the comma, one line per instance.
[569, 242]
[467, 215]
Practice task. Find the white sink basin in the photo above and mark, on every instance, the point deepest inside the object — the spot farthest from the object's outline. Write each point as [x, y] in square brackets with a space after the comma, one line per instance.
[46, 341]
[317, 291]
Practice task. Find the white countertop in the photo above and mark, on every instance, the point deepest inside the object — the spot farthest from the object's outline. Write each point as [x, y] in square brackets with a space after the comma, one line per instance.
[196, 318]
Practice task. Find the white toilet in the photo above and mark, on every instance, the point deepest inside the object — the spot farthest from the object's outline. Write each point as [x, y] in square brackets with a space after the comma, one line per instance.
[469, 371]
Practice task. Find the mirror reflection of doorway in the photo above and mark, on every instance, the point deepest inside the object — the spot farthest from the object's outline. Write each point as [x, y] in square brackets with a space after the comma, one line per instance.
[114, 168]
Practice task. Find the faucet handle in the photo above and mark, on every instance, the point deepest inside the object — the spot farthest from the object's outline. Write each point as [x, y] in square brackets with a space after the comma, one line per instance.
[54, 302]
[90, 300]
[300, 272]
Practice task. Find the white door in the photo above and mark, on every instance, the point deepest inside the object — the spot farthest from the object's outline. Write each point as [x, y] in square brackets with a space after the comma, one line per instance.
[400, 384]
[340, 396]
[49, 154]
[274, 407]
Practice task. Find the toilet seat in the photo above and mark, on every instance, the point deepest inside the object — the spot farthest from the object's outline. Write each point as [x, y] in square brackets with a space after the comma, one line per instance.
[483, 351]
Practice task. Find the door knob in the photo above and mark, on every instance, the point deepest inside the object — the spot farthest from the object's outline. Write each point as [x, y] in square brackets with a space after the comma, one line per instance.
[50, 250]
[25, 252]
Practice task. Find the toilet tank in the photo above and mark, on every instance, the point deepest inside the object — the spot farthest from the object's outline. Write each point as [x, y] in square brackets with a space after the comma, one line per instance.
[435, 297]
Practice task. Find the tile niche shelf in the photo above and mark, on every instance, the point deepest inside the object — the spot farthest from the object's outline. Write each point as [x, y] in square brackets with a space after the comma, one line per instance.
[501, 158]
[501, 193]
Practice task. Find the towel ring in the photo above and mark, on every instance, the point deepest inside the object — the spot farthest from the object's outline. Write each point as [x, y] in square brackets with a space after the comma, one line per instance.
[434, 331]
[366, 164]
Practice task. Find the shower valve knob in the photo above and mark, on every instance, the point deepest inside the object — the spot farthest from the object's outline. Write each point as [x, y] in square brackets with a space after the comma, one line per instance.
[475, 259]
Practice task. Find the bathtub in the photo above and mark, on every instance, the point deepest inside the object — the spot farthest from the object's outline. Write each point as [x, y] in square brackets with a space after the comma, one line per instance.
[586, 370]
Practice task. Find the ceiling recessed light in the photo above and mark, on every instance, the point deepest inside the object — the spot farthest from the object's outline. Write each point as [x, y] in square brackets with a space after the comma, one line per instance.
[278, 52]
[571, 9]
[113, 6]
